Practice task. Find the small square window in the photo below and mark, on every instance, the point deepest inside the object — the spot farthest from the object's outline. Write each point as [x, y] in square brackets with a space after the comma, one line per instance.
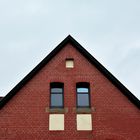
[56, 122]
[69, 63]
[84, 122]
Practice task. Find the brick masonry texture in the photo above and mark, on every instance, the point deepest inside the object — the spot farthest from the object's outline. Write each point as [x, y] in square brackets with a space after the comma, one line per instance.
[25, 117]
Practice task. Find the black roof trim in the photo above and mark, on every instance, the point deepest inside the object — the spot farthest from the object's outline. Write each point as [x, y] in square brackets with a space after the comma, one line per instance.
[89, 57]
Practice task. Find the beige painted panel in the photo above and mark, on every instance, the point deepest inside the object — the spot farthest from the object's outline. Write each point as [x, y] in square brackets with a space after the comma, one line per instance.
[56, 122]
[69, 63]
[84, 122]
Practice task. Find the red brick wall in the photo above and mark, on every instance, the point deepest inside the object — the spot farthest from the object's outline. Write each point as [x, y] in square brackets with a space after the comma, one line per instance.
[25, 116]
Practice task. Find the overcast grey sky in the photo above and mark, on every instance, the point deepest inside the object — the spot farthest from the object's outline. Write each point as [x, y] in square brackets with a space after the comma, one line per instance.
[108, 29]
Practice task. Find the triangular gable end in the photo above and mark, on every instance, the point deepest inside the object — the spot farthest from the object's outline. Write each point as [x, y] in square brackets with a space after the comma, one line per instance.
[88, 56]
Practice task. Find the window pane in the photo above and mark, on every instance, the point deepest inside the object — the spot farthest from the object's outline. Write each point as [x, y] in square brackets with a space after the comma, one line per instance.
[82, 90]
[83, 100]
[56, 90]
[56, 100]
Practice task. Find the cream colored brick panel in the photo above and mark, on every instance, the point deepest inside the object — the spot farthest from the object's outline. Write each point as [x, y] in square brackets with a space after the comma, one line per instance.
[56, 122]
[84, 122]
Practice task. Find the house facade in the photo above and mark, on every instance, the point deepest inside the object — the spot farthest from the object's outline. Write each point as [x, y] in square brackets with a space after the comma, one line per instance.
[70, 95]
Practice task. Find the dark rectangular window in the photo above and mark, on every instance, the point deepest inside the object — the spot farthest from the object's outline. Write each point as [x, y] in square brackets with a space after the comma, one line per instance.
[56, 95]
[83, 97]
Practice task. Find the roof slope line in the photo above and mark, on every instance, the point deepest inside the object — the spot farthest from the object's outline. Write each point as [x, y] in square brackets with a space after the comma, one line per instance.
[86, 54]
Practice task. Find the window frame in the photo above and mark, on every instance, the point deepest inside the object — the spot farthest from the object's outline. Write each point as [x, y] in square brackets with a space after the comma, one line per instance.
[57, 85]
[83, 85]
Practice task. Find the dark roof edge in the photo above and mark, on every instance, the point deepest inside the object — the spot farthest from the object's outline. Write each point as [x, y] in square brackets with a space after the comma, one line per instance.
[89, 57]
[29, 76]
[107, 74]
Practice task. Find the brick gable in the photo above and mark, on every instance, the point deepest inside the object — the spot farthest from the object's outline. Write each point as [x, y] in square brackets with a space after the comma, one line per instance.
[26, 115]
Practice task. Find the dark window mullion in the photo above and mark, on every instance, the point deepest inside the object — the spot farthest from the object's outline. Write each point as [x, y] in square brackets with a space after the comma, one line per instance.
[57, 93]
